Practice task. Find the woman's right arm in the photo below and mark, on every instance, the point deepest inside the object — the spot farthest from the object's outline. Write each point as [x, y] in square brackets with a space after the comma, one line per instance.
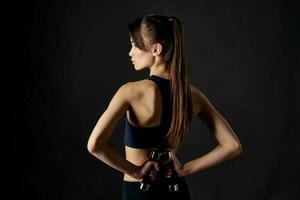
[229, 145]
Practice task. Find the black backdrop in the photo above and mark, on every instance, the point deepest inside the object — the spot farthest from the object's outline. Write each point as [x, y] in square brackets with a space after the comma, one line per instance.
[71, 56]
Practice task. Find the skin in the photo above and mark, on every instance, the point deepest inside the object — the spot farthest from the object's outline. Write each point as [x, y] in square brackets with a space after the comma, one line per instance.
[141, 102]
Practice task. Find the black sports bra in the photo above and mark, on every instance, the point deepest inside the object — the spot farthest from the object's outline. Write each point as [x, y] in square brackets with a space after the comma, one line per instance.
[152, 137]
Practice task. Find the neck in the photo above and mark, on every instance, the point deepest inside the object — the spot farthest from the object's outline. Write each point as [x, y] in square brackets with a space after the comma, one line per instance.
[161, 70]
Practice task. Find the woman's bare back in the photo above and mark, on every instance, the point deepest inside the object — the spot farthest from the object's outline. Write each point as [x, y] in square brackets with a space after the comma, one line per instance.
[146, 111]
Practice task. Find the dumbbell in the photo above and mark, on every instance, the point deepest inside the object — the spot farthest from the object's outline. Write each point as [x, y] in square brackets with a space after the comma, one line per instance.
[154, 176]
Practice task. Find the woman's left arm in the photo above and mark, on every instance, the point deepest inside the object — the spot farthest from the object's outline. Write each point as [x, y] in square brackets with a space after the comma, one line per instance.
[229, 145]
[97, 143]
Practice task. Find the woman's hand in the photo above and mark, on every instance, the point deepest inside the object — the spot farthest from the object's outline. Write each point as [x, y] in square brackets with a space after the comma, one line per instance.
[178, 167]
[142, 170]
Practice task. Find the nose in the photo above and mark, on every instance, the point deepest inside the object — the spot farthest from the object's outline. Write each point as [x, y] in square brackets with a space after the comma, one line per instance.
[130, 54]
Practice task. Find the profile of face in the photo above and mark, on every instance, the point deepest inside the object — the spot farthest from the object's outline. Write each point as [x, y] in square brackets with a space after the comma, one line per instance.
[141, 59]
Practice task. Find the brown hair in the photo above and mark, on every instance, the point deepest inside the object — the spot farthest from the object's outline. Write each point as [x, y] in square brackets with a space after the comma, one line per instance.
[168, 31]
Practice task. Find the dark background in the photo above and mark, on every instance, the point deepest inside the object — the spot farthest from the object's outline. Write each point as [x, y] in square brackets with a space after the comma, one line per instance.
[72, 56]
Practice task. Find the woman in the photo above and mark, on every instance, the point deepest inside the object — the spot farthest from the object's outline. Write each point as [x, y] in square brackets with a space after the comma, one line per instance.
[159, 110]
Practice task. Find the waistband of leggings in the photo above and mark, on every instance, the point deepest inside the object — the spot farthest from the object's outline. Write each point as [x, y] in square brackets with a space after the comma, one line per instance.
[181, 179]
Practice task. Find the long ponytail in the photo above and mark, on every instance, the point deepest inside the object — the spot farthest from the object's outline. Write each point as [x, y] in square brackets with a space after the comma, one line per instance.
[180, 87]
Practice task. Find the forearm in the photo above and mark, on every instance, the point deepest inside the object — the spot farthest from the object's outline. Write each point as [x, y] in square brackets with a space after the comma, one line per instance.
[218, 155]
[110, 157]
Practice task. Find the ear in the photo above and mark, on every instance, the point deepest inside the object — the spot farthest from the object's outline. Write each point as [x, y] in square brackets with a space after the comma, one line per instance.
[156, 49]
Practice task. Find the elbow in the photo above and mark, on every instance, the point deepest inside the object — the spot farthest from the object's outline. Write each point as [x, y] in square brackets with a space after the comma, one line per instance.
[238, 151]
[92, 147]
[235, 149]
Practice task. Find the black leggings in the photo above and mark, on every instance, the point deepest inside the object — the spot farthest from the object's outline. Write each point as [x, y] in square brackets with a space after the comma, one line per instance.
[131, 191]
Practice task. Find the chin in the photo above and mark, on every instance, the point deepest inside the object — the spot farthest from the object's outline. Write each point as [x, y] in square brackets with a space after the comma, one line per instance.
[137, 68]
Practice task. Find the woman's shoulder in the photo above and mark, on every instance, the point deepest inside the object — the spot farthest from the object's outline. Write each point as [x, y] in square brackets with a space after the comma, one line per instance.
[196, 91]
[198, 98]
[140, 85]
[201, 100]
[139, 88]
